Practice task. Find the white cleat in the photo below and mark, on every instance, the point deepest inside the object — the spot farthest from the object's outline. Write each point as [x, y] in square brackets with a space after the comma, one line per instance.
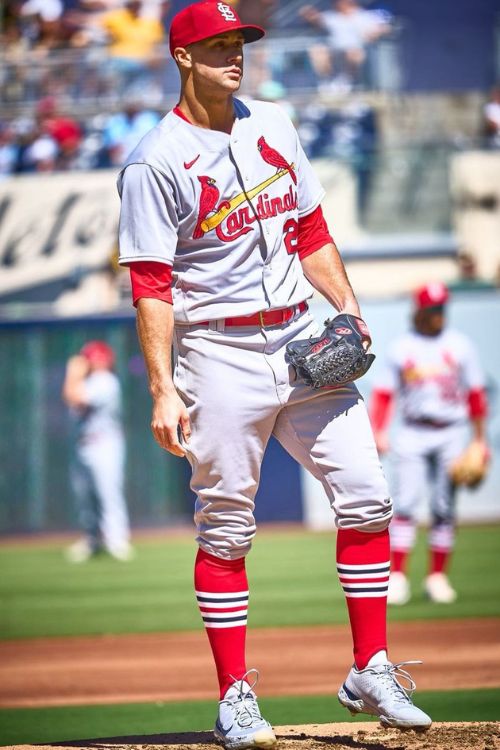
[376, 691]
[239, 723]
[399, 589]
[80, 552]
[438, 588]
[122, 552]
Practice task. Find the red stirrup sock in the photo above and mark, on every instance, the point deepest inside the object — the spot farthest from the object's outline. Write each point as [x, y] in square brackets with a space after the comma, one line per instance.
[441, 542]
[222, 592]
[363, 567]
[439, 560]
[399, 561]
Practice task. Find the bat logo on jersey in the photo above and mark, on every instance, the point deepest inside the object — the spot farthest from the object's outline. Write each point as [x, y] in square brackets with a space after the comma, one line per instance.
[212, 214]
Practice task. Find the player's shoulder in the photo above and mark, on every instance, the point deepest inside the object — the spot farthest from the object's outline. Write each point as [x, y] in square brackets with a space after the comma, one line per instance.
[401, 347]
[457, 339]
[270, 112]
[157, 145]
[104, 377]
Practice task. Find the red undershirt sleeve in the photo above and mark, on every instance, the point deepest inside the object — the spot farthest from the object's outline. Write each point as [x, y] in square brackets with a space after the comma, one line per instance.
[313, 233]
[478, 404]
[151, 279]
[380, 409]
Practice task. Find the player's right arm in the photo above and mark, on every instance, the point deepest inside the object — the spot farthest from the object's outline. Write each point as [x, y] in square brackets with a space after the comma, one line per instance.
[148, 238]
[155, 325]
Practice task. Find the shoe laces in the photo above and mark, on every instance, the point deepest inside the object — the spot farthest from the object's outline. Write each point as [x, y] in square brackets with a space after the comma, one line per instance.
[393, 673]
[244, 704]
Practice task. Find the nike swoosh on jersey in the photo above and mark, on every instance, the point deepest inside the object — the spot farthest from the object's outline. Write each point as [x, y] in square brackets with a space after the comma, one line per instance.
[189, 164]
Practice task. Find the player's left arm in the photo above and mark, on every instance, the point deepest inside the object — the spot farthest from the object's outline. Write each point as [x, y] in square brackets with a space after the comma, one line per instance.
[474, 382]
[73, 391]
[325, 270]
[318, 253]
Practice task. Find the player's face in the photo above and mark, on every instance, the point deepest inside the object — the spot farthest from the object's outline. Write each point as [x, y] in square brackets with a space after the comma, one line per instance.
[217, 63]
[430, 321]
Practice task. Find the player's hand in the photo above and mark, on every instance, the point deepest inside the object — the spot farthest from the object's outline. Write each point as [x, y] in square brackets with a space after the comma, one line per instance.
[382, 442]
[170, 415]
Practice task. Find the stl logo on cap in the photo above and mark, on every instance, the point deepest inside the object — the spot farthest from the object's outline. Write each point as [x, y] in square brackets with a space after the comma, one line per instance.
[436, 291]
[226, 12]
[434, 294]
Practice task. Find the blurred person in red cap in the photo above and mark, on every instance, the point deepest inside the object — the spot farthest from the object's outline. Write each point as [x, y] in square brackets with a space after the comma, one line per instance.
[222, 228]
[435, 374]
[92, 391]
[64, 131]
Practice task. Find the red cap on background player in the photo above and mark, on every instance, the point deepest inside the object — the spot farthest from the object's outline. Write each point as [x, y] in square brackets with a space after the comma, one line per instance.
[98, 352]
[202, 20]
[434, 294]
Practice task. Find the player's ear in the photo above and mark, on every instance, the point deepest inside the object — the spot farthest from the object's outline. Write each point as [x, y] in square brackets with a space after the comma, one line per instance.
[183, 57]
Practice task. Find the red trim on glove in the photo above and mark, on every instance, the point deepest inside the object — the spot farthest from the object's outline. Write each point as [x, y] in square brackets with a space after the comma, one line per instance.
[478, 403]
[380, 409]
[313, 233]
[151, 279]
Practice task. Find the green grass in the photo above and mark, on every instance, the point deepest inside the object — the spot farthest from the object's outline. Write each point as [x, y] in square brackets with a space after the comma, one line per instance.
[42, 725]
[292, 577]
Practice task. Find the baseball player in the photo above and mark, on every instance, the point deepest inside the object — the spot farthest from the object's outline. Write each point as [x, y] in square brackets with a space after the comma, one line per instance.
[92, 391]
[222, 228]
[435, 373]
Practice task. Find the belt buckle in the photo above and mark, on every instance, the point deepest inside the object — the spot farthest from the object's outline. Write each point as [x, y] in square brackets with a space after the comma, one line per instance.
[262, 322]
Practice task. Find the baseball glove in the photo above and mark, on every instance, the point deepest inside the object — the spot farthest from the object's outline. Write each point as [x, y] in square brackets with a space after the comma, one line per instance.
[335, 357]
[471, 467]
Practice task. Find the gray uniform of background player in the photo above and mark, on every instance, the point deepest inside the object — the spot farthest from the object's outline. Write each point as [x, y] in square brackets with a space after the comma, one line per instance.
[436, 375]
[432, 377]
[98, 467]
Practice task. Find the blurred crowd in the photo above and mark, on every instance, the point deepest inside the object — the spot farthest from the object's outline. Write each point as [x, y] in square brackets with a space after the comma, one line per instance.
[95, 50]
[85, 79]
[57, 56]
[129, 28]
[50, 141]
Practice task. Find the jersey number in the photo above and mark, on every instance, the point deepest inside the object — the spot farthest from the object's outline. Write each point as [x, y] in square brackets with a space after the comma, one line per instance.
[291, 236]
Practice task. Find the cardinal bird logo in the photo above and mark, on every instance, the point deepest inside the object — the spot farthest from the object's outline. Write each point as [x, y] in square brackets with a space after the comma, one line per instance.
[209, 198]
[274, 158]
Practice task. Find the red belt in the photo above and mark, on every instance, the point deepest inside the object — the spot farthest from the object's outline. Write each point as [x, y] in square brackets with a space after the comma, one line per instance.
[267, 318]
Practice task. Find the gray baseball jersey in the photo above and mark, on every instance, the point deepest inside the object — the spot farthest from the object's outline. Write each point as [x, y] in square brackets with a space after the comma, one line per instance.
[221, 208]
[432, 375]
[103, 413]
[97, 474]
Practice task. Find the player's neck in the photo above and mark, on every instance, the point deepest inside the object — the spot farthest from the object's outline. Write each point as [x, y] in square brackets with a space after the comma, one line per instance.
[209, 113]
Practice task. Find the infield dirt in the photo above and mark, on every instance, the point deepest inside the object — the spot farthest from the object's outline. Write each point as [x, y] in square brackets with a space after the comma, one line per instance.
[292, 661]
[362, 736]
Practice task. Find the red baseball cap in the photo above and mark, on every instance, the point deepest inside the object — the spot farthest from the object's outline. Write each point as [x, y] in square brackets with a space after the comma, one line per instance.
[203, 20]
[98, 351]
[434, 294]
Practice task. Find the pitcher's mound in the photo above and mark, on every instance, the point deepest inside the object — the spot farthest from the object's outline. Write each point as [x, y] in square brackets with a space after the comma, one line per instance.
[345, 736]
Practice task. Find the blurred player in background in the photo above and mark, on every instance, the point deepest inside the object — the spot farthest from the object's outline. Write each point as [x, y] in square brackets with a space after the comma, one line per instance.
[92, 391]
[435, 373]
